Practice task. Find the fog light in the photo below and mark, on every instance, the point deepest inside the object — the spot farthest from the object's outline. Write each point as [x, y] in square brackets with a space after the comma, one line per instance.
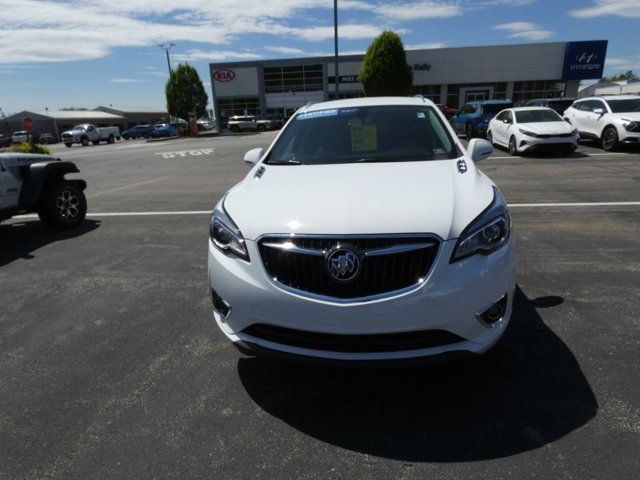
[493, 313]
[221, 306]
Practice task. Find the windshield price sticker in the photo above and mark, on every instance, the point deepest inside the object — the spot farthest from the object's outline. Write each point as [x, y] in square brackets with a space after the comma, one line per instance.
[363, 137]
[332, 112]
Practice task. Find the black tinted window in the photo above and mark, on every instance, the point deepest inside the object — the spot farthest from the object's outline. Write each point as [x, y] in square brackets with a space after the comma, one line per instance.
[495, 108]
[380, 133]
[532, 116]
[625, 105]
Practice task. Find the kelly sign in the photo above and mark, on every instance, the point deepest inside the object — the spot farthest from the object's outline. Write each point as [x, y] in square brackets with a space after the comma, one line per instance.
[224, 75]
[584, 60]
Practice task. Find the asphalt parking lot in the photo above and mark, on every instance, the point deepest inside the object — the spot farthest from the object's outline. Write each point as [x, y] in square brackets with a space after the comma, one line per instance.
[111, 365]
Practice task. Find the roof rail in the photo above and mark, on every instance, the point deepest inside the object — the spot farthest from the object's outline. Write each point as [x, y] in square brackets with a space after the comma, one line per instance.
[420, 96]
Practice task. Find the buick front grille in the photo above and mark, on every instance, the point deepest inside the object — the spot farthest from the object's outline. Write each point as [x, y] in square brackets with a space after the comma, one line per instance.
[379, 264]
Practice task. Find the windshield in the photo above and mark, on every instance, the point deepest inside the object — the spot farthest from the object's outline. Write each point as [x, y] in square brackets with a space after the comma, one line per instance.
[364, 134]
[495, 108]
[78, 127]
[626, 105]
[532, 116]
[560, 105]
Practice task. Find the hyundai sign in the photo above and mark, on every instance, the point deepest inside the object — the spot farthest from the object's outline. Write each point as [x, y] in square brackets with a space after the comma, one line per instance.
[584, 60]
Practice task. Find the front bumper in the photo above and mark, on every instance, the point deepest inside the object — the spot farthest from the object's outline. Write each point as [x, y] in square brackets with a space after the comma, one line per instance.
[448, 300]
[526, 143]
[626, 136]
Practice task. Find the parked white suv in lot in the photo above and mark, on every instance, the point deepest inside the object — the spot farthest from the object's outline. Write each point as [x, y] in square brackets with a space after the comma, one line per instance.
[611, 119]
[364, 232]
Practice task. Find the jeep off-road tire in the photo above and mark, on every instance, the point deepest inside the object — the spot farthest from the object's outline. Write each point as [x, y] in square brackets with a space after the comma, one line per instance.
[62, 206]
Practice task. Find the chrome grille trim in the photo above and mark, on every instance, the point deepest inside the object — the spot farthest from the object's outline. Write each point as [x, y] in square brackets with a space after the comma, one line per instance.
[296, 270]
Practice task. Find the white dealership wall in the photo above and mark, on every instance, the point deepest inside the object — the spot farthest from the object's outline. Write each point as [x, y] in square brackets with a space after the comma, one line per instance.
[443, 66]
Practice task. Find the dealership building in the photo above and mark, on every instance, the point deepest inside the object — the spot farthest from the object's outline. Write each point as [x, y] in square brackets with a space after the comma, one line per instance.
[450, 76]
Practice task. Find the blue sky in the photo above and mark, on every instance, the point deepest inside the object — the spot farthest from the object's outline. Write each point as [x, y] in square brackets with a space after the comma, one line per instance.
[84, 53]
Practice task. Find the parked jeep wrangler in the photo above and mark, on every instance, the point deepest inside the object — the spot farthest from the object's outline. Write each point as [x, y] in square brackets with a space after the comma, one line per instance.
[36, 183]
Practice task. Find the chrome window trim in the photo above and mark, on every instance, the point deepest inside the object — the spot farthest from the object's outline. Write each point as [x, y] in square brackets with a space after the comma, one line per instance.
[435, 239]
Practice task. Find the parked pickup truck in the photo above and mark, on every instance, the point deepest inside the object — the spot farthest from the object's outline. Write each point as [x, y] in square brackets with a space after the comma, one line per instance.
[85, 133]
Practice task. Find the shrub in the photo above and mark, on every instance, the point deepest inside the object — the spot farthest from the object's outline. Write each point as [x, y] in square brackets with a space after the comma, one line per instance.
[28, 147]
[385, 70]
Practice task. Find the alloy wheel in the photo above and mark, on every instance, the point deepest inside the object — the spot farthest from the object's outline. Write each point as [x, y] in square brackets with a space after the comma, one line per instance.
[67, 205]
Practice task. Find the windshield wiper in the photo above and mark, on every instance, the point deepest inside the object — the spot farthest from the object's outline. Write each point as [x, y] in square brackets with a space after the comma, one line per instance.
[283, 162]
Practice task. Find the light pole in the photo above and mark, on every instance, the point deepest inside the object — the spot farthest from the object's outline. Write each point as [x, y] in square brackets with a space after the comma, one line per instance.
[335, 45]
[166, 50]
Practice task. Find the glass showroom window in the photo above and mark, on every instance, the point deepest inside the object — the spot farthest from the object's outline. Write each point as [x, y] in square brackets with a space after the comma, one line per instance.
[237, 106]
[431, 92]
[537, 89]
[293, 78]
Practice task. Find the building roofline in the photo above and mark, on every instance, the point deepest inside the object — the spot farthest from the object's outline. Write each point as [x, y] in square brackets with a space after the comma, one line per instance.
[360, 56]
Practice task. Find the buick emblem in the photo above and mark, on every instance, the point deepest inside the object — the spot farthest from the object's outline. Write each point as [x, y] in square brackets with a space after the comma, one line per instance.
[343, 264]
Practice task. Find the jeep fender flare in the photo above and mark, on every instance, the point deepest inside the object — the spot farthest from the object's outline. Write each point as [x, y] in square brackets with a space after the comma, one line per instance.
[40, 175]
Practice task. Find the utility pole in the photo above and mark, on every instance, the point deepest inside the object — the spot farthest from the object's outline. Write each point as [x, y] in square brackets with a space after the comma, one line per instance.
[166, 50]
[335, 44]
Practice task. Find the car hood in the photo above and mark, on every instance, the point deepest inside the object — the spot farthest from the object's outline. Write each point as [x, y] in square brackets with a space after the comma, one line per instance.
[635, 116]
[76, 131]
[359, 198]
[547, 128]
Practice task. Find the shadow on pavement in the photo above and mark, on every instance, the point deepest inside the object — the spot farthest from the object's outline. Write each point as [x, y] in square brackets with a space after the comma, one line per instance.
[526, 392]
[20, 240]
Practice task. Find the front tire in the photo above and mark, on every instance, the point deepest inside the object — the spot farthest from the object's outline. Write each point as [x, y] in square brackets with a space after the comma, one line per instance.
[609, 140]
[67, 144]
[85, 142]
[513, 147]
[468, 132]
[490, 138]
[63, 205]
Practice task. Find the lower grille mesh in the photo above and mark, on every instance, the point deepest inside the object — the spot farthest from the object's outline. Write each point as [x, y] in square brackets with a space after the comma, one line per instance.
[388, 342]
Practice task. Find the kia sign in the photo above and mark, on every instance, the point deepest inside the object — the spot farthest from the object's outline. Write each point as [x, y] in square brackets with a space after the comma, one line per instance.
[224, 75]
[584, 60]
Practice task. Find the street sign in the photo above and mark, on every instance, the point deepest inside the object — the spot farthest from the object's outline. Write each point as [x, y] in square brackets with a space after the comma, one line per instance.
[27, 124]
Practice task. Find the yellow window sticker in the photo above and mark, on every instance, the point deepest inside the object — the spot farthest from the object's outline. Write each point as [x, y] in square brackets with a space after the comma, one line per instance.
[363, 137]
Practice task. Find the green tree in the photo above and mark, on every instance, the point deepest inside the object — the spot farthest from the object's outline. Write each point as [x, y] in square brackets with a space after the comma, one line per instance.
[185, 92]
[385, 70]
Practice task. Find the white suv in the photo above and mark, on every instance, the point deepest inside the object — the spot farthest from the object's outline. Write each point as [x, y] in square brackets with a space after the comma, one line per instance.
[365, 232]
[611, 119]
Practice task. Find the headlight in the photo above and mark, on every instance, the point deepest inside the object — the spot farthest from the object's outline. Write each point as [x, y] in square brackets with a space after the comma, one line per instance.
[574, 131]
[487, 232]
[225, 234]
[630, 126]
[528, 133]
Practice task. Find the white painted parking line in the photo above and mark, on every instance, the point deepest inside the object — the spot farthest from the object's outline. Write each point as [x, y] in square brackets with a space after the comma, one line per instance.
[574, 204]
[208, 212]
[579, 157]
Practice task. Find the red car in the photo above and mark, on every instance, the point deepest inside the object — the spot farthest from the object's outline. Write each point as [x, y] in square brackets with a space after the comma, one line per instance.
[448, 111]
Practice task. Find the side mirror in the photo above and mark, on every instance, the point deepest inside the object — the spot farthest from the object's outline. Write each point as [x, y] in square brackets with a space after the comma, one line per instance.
[479, 149]
[598, 111]
[506, 120]
[253, 156]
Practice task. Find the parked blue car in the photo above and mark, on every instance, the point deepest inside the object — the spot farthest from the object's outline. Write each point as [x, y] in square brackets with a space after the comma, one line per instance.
[473, 117]
[138, 131]
[164, 130]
